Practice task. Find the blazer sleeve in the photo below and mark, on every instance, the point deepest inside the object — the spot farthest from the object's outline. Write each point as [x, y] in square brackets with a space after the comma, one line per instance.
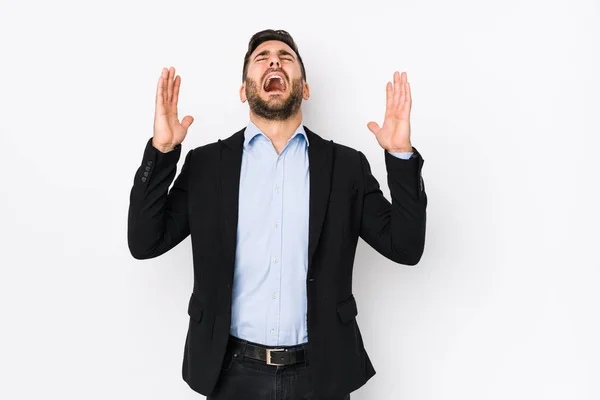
[158, 218]
[396, 230]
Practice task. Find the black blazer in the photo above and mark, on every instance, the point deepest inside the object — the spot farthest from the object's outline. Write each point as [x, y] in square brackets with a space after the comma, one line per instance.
[345, 203]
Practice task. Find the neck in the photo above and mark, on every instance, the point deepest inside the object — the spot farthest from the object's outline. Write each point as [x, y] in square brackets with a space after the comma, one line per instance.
[277, 131]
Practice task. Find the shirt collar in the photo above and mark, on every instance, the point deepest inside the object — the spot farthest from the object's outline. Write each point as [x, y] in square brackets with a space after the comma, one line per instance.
[252, 131]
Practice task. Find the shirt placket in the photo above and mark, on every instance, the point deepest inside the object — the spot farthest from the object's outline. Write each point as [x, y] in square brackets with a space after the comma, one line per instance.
[276, 251]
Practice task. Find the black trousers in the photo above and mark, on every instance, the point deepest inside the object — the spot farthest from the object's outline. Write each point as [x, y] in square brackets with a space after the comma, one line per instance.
[244, 378]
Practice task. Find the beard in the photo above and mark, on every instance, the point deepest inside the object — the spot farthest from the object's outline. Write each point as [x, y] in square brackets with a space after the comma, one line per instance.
[275, 109]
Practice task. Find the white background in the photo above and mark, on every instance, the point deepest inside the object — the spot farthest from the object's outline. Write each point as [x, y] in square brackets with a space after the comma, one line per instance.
[504, 303]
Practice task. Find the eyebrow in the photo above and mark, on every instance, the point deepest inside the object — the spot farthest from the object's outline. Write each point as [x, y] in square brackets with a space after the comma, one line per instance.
[281, 52]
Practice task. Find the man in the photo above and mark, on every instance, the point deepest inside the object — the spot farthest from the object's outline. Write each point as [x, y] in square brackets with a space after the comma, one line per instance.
[274, 213]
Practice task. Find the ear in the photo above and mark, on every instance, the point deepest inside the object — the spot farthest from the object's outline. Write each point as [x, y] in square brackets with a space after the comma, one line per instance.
[243, 93]
[306, 91]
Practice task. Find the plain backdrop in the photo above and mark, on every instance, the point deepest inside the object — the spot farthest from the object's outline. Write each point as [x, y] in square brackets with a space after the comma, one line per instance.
[504, 303]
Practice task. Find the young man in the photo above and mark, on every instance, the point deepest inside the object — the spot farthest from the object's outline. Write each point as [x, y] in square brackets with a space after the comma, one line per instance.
[274, 213]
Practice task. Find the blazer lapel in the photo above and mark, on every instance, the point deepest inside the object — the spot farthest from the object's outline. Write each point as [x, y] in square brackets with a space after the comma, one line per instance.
[229, 175]
[320, 156]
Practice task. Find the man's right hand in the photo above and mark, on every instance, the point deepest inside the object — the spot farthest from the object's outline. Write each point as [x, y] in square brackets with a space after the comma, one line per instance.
[168, 131]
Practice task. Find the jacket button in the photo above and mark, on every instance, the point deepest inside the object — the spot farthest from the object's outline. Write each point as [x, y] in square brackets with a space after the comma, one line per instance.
[146, 173]
[144, 179]
[148, 168]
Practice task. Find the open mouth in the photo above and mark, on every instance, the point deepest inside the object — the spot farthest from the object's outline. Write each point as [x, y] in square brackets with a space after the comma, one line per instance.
[274, 83]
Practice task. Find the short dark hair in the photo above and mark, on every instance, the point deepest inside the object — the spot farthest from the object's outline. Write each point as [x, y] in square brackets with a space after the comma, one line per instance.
[270, 34]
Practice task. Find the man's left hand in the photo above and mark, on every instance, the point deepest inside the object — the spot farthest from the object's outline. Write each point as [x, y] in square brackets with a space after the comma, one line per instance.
[394, 136]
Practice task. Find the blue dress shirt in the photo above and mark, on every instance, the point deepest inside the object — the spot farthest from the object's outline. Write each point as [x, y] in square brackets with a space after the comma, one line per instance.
[269, 288]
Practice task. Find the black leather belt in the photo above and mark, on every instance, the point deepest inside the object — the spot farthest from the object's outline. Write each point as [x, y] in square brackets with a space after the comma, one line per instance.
[271, 356]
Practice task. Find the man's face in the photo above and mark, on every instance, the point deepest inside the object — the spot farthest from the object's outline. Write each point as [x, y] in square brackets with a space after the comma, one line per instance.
[274, 86]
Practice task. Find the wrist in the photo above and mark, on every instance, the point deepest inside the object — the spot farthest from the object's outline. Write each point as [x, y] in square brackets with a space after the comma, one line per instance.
[402, 149]
[163, 148]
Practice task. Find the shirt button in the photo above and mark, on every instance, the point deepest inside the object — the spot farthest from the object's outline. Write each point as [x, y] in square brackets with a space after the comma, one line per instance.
[276, 225]
[272, 331]
[275, 260]
[277, 190]
[274, 295]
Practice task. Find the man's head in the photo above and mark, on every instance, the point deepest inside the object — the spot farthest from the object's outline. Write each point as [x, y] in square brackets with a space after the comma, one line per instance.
[273, 77]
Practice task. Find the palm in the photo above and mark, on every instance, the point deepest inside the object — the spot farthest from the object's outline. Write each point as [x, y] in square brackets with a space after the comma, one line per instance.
[168, 131]
[394, 135]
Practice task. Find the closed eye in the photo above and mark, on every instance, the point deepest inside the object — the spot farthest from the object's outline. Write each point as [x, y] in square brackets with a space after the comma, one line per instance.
[286, 59]
[282, 53]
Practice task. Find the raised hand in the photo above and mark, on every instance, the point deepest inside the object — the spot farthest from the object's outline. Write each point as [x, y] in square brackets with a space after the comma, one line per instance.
[394, 135]
[168, 131]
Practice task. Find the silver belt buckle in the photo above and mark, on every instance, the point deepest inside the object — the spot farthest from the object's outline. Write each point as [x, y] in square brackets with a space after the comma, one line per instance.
[269, 356]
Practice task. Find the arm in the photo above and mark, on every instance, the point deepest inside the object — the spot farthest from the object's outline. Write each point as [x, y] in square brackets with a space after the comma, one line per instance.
[396, 230]
[158, 218]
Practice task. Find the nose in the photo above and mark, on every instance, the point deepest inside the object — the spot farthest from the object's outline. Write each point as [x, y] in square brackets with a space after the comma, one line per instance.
[274, 60]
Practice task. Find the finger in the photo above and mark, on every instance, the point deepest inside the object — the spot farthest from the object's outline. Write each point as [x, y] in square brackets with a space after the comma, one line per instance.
[397, 88]
[389, 98]
[402, 89]
[159, 95]
[159, 89]
[187, 121]
[373, 127]
[165, 78]
[176, 90]
[170, 84]
[407, 89]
